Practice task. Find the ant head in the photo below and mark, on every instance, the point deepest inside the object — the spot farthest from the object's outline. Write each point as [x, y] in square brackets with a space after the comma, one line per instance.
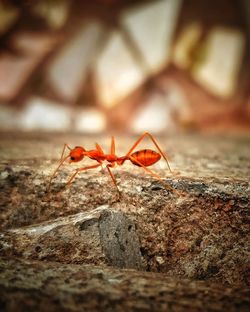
[76, 154]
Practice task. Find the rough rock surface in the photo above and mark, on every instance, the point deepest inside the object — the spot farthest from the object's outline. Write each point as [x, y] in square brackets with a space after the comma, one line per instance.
[46, 286]
[101, 236]
[199, 231]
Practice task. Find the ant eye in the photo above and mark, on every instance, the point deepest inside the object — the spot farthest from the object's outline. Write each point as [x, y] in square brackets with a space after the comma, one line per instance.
[72, 158]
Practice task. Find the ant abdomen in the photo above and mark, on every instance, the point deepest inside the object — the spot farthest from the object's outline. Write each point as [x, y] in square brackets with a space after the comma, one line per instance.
[145, 157]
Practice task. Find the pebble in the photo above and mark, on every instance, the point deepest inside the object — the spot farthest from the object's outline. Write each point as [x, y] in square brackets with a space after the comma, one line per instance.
[160, 260]
[4, 174]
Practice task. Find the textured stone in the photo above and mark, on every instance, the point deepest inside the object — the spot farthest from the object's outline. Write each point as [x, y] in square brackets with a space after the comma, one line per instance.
[166, 109]
[119, 240]
[36, 286]
[35, 45]
[55, 13]
[154, 116]
[100, 236]
[151, 26]
[8, 118]
[8, 15]
[43, 114]
[197, 230]
[90, 121]
[186, 43]
[67, 72]
[116, 71]
[217, 73]
[15, 70]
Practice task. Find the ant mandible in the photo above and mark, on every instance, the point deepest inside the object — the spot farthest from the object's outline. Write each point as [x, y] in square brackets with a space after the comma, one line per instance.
[142, 158]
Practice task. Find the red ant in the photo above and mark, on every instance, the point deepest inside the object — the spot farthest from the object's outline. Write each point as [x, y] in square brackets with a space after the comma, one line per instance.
[142, 158]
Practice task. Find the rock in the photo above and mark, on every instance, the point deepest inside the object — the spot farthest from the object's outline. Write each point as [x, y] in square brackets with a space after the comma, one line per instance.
[43, 114]
[186, 43]
[154, 116]
[36, 286]
[116, 79]
[15, 70]
[70, 66]
[100, 236]
[165, 109]
[199, 232]
[34, 44]
[55, 13]
[90, 120]
[8, 16]
[119, 240]
[221, 42]
[151, 26]
[8, 117]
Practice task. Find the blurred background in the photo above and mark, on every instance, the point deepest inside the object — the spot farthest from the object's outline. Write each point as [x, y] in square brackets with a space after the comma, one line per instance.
[163, 66]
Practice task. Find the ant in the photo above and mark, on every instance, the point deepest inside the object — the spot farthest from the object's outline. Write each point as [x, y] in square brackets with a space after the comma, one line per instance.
[142, 158]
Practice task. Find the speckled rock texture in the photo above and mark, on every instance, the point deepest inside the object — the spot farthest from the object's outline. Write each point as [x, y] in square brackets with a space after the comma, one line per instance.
[46, 286]
[197, 231]
[101, 236]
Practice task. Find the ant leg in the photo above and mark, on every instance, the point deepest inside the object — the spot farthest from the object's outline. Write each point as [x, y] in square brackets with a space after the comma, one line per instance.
[155, 143]
[62, 160]
[81, 169]
[58, 167]
[98, 147]
[112, 177]
[63, 151]
[153, 174]
[112, 149]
